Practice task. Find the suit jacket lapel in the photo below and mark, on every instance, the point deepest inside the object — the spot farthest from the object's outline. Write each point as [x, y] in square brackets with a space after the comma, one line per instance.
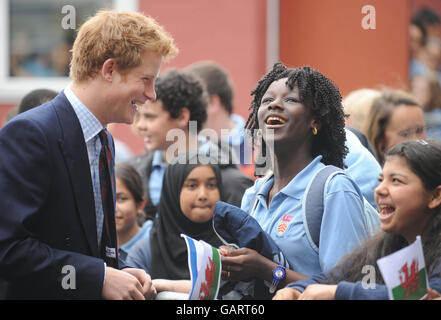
[74, 150]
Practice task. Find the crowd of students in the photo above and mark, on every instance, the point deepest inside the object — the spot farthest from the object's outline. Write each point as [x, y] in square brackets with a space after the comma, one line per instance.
[379, 177]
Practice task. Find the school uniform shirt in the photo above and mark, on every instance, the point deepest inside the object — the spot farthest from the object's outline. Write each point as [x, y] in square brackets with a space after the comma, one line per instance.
[362, 167]
[239, 141]
[143, 233]
[156, 177]
[342, 228]
[140, 255]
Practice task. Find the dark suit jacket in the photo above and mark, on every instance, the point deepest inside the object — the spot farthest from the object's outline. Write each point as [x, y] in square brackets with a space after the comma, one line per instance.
[47, 211]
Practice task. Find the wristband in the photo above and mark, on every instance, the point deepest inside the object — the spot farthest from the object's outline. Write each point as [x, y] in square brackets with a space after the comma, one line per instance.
[279, 273]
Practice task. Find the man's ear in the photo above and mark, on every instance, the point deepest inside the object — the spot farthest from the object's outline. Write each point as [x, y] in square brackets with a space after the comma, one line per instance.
[108, 68]
[184, 118]
[436, 198]
[215, 103]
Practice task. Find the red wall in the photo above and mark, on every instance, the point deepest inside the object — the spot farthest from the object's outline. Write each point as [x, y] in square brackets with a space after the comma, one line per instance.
[328, 35]
[230, 32]
[323, 34]
[3, 111]
[433, 4]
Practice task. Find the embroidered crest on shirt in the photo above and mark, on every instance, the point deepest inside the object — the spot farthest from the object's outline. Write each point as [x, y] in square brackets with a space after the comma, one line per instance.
[283, 224]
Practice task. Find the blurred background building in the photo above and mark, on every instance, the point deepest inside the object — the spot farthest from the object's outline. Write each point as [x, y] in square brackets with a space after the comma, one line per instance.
[246, 37]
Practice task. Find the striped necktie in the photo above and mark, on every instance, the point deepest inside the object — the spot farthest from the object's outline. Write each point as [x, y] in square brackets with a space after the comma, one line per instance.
[109, 244]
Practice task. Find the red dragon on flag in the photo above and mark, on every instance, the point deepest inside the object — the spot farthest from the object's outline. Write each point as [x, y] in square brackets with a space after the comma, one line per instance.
[409, 277]
[208, 284]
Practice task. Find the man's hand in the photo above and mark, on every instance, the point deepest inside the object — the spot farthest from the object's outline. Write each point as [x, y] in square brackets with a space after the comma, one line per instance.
[287, 294]
[148, 290]
[319, 292]
[121, 285]
[432, 295]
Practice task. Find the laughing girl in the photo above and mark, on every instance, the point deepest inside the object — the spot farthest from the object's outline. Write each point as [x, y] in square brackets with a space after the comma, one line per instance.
[409, 200]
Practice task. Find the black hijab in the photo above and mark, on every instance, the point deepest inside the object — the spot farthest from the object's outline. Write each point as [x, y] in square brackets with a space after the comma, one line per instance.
[168, 248]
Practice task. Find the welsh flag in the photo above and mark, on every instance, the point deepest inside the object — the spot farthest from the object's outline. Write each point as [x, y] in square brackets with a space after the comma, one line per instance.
[404, 272]
[205, 267]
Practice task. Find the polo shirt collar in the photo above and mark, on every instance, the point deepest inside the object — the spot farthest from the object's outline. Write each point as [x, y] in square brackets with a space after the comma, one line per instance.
[297, 186]
[157, 159]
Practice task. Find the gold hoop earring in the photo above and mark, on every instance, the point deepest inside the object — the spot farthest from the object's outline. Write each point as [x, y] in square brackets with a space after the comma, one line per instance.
[259, 133]
[314, 131]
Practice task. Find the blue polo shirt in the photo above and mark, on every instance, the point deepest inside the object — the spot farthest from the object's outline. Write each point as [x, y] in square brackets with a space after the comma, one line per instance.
[156, 177]
[239, 141]
[362, 167]
[143, 233]
[342, 229]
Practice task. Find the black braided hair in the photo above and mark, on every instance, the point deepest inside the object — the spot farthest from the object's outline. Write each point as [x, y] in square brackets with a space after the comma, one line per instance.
[322, 96]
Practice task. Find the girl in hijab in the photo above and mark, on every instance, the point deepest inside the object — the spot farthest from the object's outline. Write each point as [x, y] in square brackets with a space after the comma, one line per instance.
[189, 194]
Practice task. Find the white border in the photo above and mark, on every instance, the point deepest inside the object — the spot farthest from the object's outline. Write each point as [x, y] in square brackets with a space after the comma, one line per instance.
[12, 89]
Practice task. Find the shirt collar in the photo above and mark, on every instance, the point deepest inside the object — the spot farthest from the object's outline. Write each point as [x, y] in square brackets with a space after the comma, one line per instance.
[236, 135]
[157, 159]
[89, 123]
[297, 186]
[205, 145]
[238, 121]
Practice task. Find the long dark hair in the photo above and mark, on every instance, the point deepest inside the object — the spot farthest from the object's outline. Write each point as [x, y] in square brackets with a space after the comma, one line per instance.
[322, 96]
[424, 159]
[133, 182]
[380, 114]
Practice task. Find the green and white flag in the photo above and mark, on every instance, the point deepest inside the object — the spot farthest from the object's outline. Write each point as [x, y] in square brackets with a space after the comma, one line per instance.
[204, 263]
[404, 272]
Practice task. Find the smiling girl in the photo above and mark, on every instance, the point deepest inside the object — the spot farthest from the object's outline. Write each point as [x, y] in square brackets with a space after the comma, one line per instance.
[129, 214]
[409, 200]
[394, 117]
[189, 193]
[301, 120]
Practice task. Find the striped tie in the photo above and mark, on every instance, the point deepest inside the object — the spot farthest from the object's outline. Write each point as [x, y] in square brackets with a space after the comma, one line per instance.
[109, 244]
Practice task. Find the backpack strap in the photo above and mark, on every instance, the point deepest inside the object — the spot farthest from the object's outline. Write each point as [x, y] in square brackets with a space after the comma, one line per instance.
[313, 204]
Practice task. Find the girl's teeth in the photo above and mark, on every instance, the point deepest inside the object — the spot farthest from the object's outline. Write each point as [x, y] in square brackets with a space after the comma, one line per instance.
[385, 210]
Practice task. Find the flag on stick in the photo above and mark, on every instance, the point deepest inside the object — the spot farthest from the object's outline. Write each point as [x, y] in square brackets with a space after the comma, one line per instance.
[205, 267]
[404, 272]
